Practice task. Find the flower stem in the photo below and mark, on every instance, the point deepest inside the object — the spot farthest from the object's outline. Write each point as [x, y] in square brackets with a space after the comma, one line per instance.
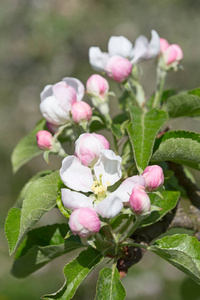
[161, 74]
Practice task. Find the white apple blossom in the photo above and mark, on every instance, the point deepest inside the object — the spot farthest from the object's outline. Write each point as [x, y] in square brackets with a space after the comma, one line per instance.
[121, 46]
[106, 172]
[57, 100]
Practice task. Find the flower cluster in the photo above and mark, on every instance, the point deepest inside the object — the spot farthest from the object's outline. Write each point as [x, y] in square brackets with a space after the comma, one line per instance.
[88, 175]
[94, 170]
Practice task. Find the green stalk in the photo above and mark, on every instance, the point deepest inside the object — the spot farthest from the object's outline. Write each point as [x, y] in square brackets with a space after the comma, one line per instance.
[161, 74]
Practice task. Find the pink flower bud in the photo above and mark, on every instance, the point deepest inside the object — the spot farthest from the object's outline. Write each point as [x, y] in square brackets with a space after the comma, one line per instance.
[97, 85]
[84, 222]
[163, 45]
[153, 176]
[173, 54]
[81, 111]
[140, 201]
[44, 140]
[118, 68]
[88, 147]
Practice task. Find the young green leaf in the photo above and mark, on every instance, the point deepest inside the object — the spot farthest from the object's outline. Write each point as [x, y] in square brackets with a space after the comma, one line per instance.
[179, 146]
[41, 246]
[142, 133]
[182, 105]
[182, 251]
[169, 201]
[12, 227]
[109, 286]
[75, 272]
[27, 148]
[40, 197]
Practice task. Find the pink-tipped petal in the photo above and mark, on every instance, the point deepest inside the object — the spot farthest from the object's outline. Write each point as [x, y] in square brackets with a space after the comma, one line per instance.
[75, 175]
[154, 177]
[77, 85]
[44, 140]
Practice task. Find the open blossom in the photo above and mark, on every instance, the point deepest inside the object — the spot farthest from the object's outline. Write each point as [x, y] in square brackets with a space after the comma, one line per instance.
[153, 176]
[106, 172]
[121, 46]
[84, 222]
[172, 54]
[88, 147]
[57, 100]
[44, 140]
[140, 201]
[81, 111]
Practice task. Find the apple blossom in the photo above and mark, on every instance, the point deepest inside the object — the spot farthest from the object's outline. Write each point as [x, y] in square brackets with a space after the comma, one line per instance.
[121, 46]
[106, 172]
[88, 147]
[44, 140]
[57, 100]
[84, 222]
[153, 176]
[81, 111]
[139, 200]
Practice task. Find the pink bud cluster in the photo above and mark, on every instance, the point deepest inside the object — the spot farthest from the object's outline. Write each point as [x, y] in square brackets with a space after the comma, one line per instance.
[139, 199]
[172, 54]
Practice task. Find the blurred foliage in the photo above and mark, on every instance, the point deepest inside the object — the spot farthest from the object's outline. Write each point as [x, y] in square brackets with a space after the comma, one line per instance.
[43, 41]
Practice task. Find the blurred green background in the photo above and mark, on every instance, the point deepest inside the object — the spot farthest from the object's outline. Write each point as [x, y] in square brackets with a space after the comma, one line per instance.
[43, 41]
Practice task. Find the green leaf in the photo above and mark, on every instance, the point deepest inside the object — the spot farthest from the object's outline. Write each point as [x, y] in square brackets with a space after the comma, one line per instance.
[41, 246]
[169, 201]
[27, 148]
[109, 286]
[183, 105]
[182, 251]
[40, 197]
[195, 92]
[12, 226]
[75, 272]
[182, 147]
[23, 192]
[142, 133]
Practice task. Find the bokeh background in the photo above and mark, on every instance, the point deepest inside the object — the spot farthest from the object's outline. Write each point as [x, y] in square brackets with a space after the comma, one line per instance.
[43, 41]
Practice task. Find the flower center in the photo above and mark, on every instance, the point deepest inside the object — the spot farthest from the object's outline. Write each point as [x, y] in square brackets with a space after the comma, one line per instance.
[98, 188]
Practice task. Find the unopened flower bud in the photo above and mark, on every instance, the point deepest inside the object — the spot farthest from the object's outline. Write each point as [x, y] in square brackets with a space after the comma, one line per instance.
[97, 85]
[118, 68]
[88, 147]
[44, 140]
[140, 201]
[84, 222]
[173, 54]
[81, 111]
[153, 176]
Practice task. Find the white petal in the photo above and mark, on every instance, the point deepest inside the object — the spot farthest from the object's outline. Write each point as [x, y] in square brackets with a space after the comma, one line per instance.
[110, 206]
[53, 112]
[74, 200]
[77, 85]
[109, 166]
[75, 175]
[154, 45]
[97, 58]
[144, 50]
[125, 189]
[46, 92]
[140, 48]
[119, 45]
